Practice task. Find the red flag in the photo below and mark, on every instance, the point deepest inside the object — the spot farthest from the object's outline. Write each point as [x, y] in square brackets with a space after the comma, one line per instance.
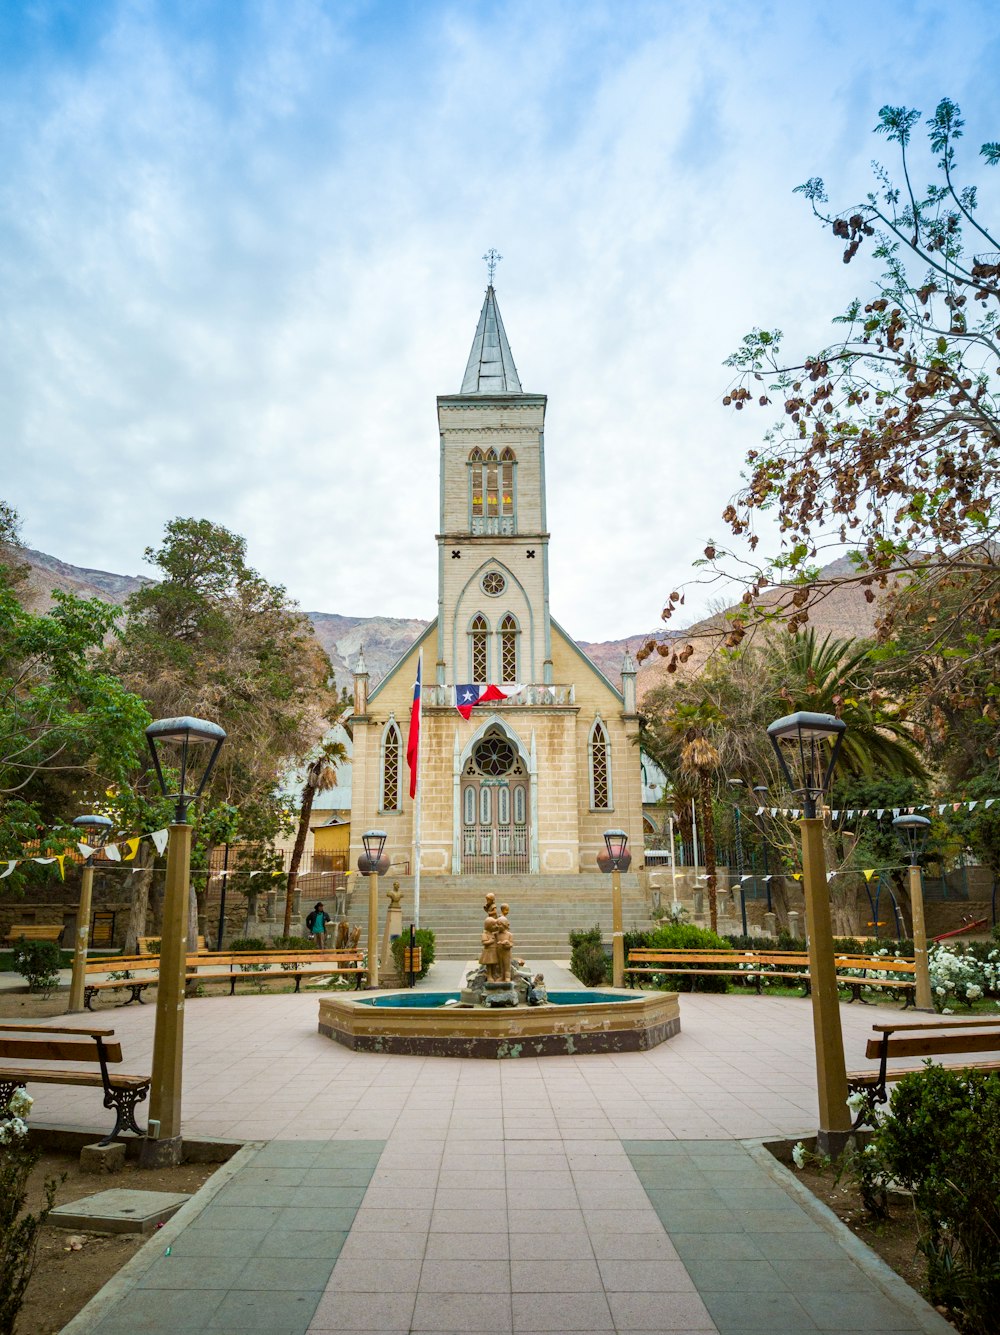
[413, 741]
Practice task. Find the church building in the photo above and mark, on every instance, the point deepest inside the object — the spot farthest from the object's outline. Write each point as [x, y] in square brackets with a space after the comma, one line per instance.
[527, 784]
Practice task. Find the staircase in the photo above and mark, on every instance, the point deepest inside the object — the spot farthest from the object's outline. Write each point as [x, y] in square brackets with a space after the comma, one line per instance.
[543, 910]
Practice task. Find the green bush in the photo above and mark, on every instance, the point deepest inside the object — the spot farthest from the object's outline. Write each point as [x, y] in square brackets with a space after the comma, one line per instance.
[685, 936]
[939, 1141]
[588, 959]
[424, 938]
[39, 962]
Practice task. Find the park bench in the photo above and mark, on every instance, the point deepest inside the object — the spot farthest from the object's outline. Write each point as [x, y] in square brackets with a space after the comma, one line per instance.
[141, 972]
[275, 966]
[923, 1039]
[21, 1046]
[30, 931]
[143, 944]
[855, 972]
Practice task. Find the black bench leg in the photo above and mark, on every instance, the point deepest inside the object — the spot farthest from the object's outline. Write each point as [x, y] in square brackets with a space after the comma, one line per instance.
[123, 1101]
[910, 999]
[137, 990]
[7, 1091]
[89, 993]
[298, 981]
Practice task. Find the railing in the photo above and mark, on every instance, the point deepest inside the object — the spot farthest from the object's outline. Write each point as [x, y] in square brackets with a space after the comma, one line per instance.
[443, 697]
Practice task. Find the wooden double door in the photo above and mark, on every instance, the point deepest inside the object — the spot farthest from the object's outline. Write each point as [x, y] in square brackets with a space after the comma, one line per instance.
[496, 816]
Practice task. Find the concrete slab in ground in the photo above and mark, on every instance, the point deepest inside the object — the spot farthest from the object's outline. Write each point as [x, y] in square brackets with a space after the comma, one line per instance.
[119, 1211]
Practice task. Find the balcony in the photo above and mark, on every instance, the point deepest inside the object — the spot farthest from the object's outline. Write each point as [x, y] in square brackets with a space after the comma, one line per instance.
[442, 697]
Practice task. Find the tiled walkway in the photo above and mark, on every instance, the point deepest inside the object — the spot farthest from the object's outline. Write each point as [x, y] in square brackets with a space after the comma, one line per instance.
[561, 1194]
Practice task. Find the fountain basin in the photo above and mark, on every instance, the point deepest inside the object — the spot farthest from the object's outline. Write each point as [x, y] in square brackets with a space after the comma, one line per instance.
[419, 1023]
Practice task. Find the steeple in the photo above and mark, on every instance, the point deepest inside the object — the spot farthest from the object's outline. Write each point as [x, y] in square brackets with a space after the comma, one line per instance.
[491, 368]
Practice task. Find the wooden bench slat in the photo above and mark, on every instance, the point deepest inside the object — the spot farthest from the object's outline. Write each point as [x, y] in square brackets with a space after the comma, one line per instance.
[53, 1029]
[50, 1076]
[17, 1049]
[930, 1046]
[966, 1022]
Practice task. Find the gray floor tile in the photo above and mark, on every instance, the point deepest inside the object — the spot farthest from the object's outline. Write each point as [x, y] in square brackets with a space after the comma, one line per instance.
[712, 1275]
[221, 1242]
[365, 1311]
[773, 1313]
[161, 1312]
[236, 1218]
[462, 1312]
[721, 1246]
[193, 1272]
[870, 1310]
[264, 1312]
[819, 1274]
[658, 1311]
[633, 1247]
[561, 1312]
[635, 1276]
[322, 1245]
[565, 1276]
[300, 1219]
[551, 1246]
[466, 1246]
[655, 1148]
[274, 1274]
[484, 1275]
[375, 1274]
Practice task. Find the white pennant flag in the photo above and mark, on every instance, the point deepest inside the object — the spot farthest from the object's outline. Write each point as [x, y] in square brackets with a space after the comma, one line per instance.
[45, 862]
[86, 851]
[774, 811]
[973, 805]
[10, 867]
[989, 802]
[159, 838]
[111, 853]
[895, 811]
[835, 815]
[880, 813]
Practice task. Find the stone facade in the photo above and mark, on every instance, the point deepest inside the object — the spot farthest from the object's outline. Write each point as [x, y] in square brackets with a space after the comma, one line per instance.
[528, 784]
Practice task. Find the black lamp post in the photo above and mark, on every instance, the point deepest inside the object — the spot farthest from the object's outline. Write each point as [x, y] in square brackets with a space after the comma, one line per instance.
[912, 832]
[616, 842]
[163, 1139]
[373, 862]
[760, 792]
[807, 746]
[95, 830]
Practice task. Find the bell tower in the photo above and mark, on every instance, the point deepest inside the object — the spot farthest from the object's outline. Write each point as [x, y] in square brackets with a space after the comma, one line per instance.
[493, 586]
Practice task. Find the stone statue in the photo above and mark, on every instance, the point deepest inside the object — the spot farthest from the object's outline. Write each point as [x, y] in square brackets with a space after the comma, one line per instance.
[488, 957]
[395, 896]
[504, 944]
[343, 932]
[537, 993]
[355, 937]
[490, 906]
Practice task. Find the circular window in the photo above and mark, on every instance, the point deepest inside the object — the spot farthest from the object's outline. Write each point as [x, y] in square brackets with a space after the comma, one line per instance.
[494, 755]
[493, 583]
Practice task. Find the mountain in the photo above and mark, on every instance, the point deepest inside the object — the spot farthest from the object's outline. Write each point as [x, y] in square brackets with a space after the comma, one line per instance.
[843, 612]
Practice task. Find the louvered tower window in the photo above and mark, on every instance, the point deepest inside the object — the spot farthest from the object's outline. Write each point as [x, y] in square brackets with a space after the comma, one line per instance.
[508, 649]
[479, 648]
[390, 767]
[600, 768]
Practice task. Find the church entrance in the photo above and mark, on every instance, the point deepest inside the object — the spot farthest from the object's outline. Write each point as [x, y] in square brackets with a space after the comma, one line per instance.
[495, 815]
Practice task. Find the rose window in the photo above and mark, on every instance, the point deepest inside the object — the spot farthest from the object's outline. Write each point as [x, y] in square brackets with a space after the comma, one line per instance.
[494, 756]
[493, 583]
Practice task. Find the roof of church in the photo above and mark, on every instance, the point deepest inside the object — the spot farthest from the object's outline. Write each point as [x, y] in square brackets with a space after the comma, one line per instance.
[491, 368]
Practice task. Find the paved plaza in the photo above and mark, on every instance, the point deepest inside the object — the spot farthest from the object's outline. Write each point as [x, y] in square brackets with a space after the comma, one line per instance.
[393, 1194]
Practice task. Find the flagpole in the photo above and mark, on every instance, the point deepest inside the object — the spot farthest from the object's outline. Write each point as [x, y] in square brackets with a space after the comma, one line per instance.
[416, 813]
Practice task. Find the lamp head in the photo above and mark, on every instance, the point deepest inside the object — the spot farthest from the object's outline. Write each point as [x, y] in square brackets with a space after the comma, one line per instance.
[912, 832]
[372, 859]
[616, 842]
[96, 828]
[807, 746]
[183, 733]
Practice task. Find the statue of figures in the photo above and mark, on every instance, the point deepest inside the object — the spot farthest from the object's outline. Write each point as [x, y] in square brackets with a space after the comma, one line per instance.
[490, 905]
[504, 944]
[355, 938]
[489, 958]
[343, 932]
[536, 992]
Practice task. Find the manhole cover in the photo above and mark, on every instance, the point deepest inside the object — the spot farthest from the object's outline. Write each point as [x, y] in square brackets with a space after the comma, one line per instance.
[119, 1211]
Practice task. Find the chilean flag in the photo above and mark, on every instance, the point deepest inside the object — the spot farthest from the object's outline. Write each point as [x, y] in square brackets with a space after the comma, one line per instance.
[413, 741]
[475, 693]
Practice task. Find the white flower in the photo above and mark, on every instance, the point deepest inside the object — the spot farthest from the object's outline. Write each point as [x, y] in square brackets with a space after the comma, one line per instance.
[940, 991]
[947, 1010]
[973, 992]
[855, 1101]
[799, 1155]
[19, 1104]
[13, 1130]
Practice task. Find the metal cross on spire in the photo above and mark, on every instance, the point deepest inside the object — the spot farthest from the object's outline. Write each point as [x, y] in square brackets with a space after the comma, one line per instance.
[492, 258]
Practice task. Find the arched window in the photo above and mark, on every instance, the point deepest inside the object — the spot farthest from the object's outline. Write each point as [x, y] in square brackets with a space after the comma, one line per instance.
[508, 649]
[600, 768]
[491, 490]
[479, 664]
[390, 767]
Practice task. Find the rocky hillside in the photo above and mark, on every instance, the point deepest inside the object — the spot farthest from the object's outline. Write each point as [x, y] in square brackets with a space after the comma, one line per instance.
[844, 612]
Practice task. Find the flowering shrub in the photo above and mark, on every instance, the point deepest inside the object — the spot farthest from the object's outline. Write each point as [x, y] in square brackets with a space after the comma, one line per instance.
[963, 975]
[18, 1231]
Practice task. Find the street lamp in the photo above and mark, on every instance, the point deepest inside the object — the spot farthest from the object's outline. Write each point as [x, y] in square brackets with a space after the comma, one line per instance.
[912, 832]
[163, 1144]
[760, 792]
[95, 830]
[737, 784]
[807, 746]
[616, 842]
[372, 862]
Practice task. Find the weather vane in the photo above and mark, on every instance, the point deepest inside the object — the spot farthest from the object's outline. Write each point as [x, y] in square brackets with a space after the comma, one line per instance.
[492, 258]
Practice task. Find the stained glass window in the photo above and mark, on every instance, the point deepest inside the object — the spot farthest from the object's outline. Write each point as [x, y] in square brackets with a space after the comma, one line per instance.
[479, 635]
[600, 769]
[493, 583]
[508, 649]
[390, 768]
[494, 756]
[491, 484]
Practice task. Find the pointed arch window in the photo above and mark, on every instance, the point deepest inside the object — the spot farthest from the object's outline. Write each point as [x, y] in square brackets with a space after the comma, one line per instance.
[390, 767]
[508, 648]
[479, 662]
[492, 490]
[600, 768]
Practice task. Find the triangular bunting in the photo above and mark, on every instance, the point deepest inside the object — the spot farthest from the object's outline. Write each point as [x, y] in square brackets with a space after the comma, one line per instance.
[159, 838]
[10, 867]
[868, 873]
[111, 853]
[133, 847]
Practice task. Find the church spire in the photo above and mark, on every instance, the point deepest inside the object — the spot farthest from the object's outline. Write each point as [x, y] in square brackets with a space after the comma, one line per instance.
[491, 368]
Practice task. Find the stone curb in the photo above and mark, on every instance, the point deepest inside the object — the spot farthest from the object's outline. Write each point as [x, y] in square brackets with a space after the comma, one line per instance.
[121, 1283]
[892, 1285]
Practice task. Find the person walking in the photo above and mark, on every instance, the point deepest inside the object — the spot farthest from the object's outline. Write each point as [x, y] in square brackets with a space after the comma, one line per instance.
[316, 925]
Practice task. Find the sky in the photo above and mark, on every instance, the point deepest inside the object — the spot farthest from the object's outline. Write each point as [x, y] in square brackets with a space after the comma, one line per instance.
[240, 256]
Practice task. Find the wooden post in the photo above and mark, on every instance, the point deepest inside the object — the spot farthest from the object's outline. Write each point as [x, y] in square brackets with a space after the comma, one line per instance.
[373, 929]
[163, 1145]
[82, 939]
[617, 938]
[831, 1071]
[921, 967]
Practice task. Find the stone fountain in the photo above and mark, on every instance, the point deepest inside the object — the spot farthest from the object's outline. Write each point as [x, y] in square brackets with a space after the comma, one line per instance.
[501, 1011]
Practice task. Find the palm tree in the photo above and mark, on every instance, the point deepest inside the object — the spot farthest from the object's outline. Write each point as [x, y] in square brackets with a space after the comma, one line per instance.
[321, 775]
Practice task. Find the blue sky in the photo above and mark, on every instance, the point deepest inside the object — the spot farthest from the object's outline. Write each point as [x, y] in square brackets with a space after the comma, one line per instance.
[240, 255]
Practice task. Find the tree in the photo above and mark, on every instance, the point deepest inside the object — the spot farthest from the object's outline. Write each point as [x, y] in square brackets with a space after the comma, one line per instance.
[320, 777]
[889, 436]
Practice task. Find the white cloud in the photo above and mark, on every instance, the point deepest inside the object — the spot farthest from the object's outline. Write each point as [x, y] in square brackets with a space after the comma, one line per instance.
[241, 260]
